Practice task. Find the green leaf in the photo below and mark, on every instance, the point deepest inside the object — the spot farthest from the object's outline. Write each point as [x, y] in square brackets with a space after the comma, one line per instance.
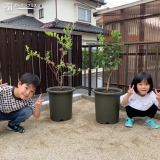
[27, 57]
[54, 34]
[26, 47]
[110, 63]
[103, 62]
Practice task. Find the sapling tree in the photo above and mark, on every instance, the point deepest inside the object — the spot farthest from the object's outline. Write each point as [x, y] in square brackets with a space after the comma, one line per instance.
[61, 68]
[109, 54]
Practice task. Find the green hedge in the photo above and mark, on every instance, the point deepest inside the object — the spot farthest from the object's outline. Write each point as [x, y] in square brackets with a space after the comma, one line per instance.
[85, 59]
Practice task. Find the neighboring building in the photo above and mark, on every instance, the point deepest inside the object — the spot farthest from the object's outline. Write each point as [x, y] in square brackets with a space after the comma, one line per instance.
[47, 12]
[138, 21]
[99, 22]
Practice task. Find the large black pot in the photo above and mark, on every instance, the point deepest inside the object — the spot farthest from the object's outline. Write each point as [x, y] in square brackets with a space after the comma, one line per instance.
[60, 103]
[107, 105]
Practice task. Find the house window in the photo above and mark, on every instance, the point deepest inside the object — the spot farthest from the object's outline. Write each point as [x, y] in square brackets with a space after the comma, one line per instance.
[84, 15]
[30, 10]
[41, 13]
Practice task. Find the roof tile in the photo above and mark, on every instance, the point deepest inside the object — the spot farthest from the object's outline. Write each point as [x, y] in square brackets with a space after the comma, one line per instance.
[28, 21]
[23, 20]
[79, 26]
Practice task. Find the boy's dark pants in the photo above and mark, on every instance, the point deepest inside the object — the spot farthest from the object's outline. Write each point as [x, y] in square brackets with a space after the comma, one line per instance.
[16, 117]
[131, 112]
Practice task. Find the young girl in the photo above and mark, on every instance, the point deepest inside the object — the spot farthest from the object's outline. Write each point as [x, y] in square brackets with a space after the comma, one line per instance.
[140, 100]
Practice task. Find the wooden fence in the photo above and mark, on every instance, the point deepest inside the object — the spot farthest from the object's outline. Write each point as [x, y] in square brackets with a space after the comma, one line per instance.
[12, 55]
[139, 56]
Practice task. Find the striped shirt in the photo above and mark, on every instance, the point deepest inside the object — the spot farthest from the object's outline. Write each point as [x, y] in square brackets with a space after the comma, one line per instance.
[9, 103]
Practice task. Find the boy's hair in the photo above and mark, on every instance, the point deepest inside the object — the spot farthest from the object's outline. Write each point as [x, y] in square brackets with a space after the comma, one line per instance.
[29, 78]
[142, 76]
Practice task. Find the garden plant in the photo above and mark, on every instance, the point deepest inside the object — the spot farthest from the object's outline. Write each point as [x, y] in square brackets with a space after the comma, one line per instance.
[109, 54]
[62, 68]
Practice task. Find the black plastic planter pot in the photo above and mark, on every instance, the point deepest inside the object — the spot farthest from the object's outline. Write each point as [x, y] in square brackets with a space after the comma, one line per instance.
[60, 103]
[107, 105]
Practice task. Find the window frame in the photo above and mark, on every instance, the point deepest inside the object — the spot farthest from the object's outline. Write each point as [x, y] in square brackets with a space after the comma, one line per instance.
[41, 13]
[85, 15]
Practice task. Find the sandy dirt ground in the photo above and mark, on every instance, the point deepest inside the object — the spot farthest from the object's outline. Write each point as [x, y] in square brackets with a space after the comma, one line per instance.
[80, 138]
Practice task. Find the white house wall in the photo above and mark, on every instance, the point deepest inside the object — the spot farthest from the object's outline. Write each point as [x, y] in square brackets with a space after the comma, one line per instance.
[89, 38]
[66, 12]
[49, 10]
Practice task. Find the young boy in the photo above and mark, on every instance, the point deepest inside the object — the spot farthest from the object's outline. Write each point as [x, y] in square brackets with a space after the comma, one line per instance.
[16, 103]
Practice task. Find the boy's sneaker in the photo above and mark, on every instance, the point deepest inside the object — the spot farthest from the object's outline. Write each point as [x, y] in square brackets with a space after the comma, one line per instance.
[150, 122]
[16, 128]
[129, 122]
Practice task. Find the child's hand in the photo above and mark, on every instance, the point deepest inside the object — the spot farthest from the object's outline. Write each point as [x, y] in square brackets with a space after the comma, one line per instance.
[39, 101]
[130, 91]
[2, 84]
[157, 95]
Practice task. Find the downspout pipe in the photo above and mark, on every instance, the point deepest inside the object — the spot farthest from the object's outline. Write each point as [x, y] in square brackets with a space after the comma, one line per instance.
[56, 7]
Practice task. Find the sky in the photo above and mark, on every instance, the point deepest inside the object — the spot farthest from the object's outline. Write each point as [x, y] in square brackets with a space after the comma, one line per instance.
[116, 3]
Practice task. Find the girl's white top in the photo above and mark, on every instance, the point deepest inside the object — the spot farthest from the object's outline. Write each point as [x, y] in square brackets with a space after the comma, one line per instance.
[141, 103]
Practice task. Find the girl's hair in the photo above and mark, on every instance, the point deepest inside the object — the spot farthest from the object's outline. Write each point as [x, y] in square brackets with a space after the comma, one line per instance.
[142, 76]
[29, 78]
